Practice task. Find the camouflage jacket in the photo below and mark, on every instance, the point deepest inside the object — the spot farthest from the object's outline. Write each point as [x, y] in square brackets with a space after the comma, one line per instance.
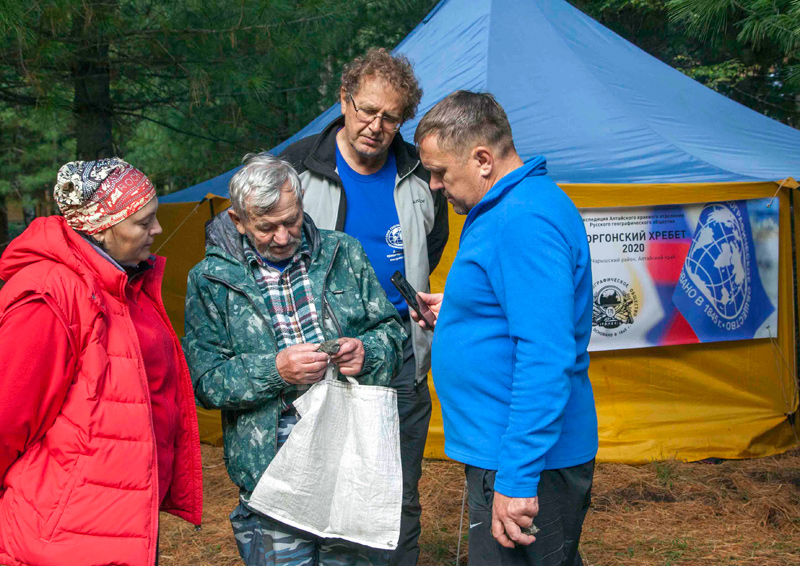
[231, 348]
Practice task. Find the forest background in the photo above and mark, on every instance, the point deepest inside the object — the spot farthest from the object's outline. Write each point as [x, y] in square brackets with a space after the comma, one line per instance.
[183, 89]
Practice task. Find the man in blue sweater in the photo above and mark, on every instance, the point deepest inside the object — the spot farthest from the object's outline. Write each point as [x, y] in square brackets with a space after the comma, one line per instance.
[510, 344]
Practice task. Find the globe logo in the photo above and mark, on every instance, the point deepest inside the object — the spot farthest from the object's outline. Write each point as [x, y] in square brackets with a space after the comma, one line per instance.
[719, 259]
[394, 237]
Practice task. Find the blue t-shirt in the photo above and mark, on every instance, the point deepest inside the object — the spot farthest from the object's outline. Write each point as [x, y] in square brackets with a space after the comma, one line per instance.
[279, 265]
[372, 220]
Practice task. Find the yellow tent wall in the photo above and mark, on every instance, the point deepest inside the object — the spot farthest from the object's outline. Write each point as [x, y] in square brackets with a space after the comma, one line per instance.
[183, 244]
[724, 399]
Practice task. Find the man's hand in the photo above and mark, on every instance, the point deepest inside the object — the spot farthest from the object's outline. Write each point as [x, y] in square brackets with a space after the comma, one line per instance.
[350, 357]
[301, 364]
[434, 302]
[509, 514]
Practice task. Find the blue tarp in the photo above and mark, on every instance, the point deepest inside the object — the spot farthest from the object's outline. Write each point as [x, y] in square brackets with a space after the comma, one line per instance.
[599, 109]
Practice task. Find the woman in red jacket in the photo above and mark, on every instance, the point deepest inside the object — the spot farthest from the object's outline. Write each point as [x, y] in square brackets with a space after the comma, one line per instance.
[98, 430]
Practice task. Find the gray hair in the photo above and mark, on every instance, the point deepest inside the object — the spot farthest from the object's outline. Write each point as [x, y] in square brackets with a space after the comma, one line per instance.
[257, 185]
[465, 119]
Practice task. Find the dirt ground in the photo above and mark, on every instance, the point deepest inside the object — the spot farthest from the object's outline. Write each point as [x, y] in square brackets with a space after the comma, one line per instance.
[664, 513]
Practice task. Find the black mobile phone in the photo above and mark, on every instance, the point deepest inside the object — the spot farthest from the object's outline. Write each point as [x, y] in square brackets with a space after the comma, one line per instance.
[410, 296]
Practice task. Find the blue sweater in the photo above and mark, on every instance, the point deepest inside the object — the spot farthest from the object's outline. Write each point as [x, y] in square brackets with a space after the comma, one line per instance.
[509, 352]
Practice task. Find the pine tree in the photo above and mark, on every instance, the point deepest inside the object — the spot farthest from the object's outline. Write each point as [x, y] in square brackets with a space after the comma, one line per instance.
[181, 89]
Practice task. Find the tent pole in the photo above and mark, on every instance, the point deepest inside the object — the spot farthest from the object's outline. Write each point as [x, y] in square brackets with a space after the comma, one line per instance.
[179, 226]
[461, 522]
[794, 287]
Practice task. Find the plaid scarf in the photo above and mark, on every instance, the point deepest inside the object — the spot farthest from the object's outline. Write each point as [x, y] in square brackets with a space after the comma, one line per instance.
[289, 300]
[288, 296]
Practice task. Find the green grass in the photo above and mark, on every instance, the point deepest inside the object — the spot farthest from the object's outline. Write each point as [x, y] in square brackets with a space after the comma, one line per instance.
[666, 473]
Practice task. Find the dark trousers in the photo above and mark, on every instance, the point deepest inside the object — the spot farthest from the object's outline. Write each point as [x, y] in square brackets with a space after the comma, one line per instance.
[564, 497]
[414, 409]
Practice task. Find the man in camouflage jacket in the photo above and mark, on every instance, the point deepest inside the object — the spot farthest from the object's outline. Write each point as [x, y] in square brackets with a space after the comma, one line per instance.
[232, 348]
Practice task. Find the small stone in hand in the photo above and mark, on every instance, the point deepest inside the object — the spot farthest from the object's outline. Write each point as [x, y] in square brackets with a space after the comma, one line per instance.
[329, 347]
[532, 530]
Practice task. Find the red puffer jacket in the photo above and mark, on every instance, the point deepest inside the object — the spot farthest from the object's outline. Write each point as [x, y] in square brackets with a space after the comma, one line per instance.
[84, 491]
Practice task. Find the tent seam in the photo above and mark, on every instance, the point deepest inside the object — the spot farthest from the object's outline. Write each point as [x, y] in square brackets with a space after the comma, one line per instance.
[635, 113]
[489, 43]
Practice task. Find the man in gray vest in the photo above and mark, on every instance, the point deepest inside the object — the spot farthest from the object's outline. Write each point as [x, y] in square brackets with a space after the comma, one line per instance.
[360, 177]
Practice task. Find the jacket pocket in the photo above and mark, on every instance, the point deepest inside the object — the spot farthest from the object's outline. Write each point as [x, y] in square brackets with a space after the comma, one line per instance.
[63, 499]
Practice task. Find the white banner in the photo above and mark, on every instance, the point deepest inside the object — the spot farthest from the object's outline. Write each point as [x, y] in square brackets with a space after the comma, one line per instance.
[683, 274]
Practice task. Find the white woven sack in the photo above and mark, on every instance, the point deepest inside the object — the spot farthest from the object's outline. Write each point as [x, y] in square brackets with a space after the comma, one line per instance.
[338, 475]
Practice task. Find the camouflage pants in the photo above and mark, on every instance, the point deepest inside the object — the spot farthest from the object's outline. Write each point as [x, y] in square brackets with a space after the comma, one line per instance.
[265, 542]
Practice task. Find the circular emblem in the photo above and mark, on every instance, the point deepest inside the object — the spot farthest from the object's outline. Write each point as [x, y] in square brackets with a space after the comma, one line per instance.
[719, 260]
[615, 305]
[394, 237]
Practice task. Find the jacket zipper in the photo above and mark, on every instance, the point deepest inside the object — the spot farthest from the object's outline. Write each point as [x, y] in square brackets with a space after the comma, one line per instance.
[326, 307]
[154, 500]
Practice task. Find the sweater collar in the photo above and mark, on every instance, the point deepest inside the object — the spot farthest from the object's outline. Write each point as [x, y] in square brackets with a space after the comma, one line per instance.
[534, 167]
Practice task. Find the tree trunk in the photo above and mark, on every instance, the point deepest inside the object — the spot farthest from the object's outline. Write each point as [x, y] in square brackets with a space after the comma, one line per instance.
[92, 79]
[3, 223]
[28, 214]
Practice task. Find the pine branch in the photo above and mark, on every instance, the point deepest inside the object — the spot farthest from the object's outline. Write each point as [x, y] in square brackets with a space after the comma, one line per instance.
[237, 28]
[180, 130]
[149, 32]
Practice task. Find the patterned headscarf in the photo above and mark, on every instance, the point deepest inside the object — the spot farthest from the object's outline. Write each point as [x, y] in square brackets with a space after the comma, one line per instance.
[95, 195]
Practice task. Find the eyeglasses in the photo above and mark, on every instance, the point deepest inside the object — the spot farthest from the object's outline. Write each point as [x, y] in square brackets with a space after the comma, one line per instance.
[388, 123]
